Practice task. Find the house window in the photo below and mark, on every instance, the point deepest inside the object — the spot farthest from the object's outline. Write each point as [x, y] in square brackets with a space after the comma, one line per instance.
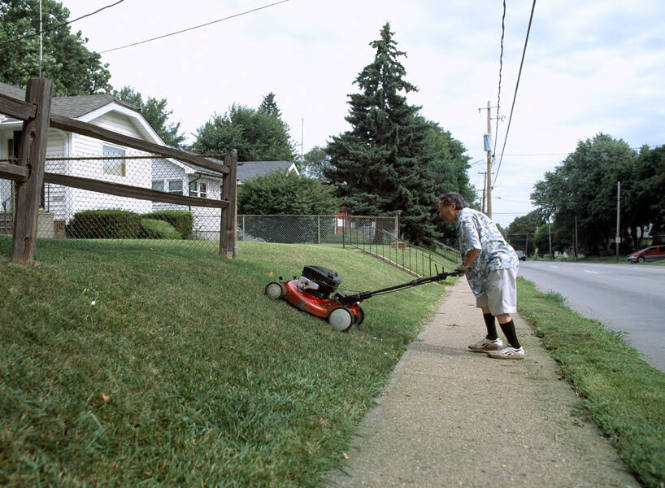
[198, 189]
[114, 166]
[170, 186]
[175, 186]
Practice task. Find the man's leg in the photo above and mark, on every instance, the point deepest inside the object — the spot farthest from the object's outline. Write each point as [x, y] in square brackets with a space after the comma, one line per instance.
[491, 342]
[508, 327]
[502, 299]
[490, 323]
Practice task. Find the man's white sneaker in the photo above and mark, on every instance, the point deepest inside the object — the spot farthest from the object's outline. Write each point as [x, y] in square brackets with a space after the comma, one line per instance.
[487, 345]
[507, 353]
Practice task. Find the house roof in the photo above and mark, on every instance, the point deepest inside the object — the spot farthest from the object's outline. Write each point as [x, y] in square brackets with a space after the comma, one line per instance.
[73, 107]
[252, 169]
[246, 169]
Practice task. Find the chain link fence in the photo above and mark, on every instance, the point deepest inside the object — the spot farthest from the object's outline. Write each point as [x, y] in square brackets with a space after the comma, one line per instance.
[72, 213]
[374, 235]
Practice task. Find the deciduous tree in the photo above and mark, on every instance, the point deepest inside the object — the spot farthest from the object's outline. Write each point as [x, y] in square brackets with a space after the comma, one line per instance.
[256, 134]
[73, 68]
[156, 113]
[582, 191]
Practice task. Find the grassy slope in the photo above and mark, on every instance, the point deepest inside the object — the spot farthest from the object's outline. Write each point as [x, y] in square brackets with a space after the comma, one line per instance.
[623, 394]
[129, 364]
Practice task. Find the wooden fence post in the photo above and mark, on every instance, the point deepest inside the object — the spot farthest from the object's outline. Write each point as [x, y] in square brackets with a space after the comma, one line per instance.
[227, 242]
[32, 152]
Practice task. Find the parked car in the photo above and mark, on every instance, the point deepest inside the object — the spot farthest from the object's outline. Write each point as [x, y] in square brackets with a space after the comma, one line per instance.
[650, 253]
[520, 254]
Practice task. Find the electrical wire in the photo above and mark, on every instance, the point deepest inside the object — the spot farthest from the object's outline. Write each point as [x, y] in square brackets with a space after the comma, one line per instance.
[192, 28]
[519, 75]
[498, 96]
[28, 36]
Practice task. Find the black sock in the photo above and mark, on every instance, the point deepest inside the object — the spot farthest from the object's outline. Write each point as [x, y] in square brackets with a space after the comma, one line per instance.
[509, 331]
[491, 326]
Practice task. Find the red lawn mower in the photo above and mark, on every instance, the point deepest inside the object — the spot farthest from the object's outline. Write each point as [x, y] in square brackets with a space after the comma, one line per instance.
[311, 293]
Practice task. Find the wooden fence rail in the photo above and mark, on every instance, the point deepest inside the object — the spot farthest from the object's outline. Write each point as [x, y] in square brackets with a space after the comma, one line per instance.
[29, 173]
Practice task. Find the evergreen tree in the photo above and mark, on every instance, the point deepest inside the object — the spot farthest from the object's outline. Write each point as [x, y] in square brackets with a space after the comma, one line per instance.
[269, 106]
[382, 165]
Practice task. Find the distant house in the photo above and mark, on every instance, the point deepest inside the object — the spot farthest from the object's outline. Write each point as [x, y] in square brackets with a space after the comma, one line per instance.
[61, 203]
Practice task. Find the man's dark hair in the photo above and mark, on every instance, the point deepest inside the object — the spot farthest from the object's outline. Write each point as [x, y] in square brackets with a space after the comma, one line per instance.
[453, 197]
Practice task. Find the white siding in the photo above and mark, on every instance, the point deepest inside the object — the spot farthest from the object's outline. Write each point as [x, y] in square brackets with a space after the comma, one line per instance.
[5, 185]
[137, 171]
[165, 170]
[56, 196]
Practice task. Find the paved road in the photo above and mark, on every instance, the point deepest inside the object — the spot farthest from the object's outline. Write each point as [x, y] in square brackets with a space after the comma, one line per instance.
[626, 298]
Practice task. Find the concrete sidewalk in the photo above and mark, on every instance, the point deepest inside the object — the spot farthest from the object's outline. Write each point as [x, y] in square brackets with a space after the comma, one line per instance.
[450, 417]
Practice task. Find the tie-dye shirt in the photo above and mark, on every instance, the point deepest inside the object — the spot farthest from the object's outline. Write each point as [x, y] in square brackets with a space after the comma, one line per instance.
[477, 231]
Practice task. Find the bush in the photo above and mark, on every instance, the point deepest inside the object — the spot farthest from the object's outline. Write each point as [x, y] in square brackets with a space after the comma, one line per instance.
[158, 229]
[282, 193]
[105, 224]
[182, 220]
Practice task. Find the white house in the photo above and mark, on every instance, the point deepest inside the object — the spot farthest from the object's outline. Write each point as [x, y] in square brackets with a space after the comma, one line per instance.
[59, 204]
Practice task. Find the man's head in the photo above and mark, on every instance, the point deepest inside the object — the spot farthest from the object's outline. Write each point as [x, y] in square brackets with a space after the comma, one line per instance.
[449, 206]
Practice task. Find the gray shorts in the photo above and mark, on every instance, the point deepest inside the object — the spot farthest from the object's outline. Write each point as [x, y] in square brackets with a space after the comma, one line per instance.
[500, 292]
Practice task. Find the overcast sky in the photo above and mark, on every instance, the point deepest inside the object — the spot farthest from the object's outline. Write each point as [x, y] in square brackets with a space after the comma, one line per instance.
[591, 66]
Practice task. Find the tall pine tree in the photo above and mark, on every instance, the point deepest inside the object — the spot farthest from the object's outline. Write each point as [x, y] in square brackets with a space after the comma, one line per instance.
[381, 165]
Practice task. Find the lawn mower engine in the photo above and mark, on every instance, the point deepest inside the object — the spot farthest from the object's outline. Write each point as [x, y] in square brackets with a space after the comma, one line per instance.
[311, 293]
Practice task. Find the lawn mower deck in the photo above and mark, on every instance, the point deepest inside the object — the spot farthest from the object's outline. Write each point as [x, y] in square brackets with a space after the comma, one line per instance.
[310, 293]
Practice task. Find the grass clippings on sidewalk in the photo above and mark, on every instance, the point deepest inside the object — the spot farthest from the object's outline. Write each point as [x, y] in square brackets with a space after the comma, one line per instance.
[622, 393]
[149, 364]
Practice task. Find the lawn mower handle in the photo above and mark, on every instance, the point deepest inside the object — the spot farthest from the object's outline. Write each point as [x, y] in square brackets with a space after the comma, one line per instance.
[359, 297]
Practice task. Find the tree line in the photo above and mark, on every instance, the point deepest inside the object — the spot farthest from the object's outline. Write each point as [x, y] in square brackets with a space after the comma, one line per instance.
[391, 160]
[576, 204]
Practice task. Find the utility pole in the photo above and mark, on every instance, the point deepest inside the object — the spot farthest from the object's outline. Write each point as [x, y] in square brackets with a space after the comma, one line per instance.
[488, 148]
[575, 239]
[302, 139]
[549, 231]
[482, 204]
[617, 241]
[487, 145]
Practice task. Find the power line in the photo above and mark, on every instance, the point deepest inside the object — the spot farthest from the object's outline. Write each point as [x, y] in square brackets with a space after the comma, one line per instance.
[519, 75]
[498, 96]
[57, 26]
[193, 28]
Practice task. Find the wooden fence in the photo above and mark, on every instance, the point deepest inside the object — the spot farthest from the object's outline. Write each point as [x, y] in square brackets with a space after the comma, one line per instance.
[29, 174]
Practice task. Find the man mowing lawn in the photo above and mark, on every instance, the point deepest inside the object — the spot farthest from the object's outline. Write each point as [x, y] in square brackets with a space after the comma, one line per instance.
[490, 265]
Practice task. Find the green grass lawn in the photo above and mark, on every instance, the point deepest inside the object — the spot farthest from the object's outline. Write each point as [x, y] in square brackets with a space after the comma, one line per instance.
[144, 364]
[622, 393]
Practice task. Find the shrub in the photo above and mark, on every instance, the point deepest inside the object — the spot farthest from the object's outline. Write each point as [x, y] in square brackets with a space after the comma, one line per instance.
[182, 220]
[158, 229]
[105, 224]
